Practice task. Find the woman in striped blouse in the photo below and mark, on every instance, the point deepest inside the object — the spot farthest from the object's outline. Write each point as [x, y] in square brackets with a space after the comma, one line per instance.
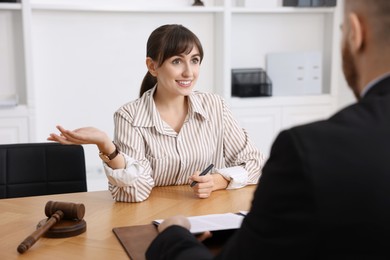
[171, 132]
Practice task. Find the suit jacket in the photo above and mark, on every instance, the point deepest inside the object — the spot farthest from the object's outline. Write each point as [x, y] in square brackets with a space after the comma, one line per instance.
[324, 193]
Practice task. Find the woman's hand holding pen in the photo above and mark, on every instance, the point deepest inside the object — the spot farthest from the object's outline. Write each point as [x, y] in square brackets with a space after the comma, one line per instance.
[204, 184]
[207, 183]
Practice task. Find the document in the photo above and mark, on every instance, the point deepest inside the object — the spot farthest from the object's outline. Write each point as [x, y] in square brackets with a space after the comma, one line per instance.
[244, 212]
[212, 222]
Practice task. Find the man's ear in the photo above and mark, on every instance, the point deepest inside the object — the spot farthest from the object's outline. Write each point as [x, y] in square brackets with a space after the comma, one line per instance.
[356, 33]
[151, 65]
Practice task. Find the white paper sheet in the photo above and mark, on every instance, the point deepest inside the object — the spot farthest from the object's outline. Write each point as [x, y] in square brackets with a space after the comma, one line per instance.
[213, 222]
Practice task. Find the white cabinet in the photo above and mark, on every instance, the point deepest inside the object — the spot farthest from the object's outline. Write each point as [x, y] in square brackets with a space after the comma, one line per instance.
[265, 121]
[14, 130]
[14, 125]
[261, 124]
[296, 115]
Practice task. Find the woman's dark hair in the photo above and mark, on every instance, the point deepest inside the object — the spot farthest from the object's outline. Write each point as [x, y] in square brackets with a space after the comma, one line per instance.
[165, 42]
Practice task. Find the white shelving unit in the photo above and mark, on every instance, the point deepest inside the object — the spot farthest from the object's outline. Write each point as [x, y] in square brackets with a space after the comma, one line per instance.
[283, 29]
[74, 62]
[16, 91]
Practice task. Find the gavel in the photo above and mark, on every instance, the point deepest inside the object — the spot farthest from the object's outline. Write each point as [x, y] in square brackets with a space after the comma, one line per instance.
[55, 211]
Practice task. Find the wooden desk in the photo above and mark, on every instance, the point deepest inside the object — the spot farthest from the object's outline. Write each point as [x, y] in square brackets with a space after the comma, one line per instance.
[19, 217]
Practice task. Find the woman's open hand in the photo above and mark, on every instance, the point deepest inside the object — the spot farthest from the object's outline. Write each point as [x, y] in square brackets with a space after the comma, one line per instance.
[84, 135]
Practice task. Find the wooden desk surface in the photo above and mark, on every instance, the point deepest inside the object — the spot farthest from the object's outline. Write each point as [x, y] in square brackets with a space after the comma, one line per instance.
[19, 217]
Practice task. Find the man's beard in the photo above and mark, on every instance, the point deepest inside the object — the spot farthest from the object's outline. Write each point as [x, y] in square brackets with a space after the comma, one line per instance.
[350, 70]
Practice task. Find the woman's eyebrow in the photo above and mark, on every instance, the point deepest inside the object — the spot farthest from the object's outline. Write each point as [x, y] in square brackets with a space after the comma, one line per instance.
[182, 55]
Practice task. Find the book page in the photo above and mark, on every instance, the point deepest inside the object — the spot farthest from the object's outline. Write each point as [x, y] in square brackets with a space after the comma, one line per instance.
[212, 222]
[244, 212]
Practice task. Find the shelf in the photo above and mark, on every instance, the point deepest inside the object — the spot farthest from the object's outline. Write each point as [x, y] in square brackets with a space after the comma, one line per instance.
[15, 111]
[125, 8]
[325, 99]
[283, 10]
[8, 101]
[10, 6]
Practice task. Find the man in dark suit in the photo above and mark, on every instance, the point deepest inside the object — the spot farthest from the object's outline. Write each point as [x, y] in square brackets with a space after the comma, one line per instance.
[325, 191]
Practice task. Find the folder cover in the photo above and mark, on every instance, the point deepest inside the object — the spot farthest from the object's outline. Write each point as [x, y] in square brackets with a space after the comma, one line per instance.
[136, 239]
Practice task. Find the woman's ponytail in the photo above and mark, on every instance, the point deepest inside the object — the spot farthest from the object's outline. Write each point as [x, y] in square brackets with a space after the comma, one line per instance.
[147, 83]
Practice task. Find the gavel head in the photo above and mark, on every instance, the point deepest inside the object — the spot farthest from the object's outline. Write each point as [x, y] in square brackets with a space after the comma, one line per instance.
[70, 210]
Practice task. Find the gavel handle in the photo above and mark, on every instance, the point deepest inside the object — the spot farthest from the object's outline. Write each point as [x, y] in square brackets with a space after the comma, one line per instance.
[31, 239]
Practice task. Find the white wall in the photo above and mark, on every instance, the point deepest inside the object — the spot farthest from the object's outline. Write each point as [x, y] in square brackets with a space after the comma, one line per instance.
[345, 96]
[87, 64]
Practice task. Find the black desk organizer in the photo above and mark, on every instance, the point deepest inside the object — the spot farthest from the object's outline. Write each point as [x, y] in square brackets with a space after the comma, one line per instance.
[251, 83]
[310, 3]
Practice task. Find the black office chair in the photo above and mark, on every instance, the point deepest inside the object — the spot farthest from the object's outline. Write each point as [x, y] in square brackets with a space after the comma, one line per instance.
[33, 169]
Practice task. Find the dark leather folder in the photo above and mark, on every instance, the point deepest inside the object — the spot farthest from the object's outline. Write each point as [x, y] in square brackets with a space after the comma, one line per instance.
[136, 239]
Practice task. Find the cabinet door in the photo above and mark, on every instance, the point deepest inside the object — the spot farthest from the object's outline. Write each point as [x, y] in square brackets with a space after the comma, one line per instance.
[297, 115]
[262, 124]
[13, 130]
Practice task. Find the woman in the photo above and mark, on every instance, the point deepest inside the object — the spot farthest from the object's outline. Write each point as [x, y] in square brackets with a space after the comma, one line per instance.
[171, 132]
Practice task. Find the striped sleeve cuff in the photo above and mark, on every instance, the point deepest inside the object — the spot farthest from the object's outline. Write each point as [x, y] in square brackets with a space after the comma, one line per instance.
[124, 177]
[237, 176]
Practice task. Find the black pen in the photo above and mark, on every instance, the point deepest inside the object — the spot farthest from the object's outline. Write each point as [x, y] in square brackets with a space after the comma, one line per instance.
[205, 171]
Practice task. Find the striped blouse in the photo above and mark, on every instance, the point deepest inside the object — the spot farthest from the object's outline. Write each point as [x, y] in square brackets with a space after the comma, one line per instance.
[156, 155]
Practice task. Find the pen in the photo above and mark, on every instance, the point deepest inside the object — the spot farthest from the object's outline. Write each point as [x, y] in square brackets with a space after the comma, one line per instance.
[205, 171]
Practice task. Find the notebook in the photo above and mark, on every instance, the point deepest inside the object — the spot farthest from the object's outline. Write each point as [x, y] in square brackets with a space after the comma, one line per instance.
[212, 222]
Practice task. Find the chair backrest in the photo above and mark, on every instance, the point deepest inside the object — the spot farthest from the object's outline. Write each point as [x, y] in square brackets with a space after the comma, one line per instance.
[32, 169]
